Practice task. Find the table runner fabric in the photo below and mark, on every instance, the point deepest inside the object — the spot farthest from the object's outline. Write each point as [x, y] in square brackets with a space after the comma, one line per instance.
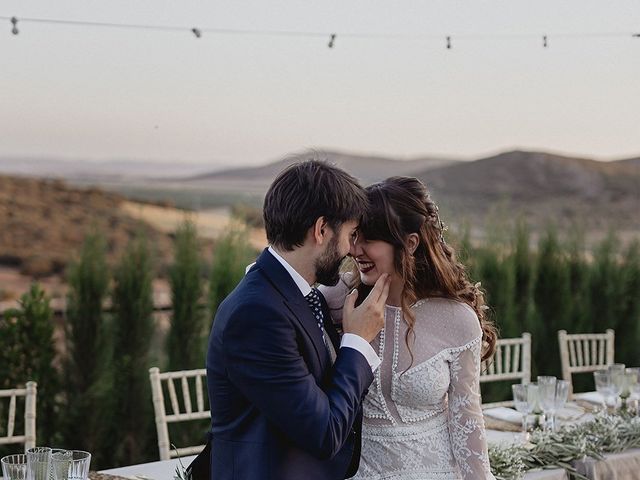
[617, 466]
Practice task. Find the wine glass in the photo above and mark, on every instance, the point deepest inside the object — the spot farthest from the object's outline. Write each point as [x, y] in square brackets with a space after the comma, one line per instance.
[547, 394]
[524, 405]
[602, 379]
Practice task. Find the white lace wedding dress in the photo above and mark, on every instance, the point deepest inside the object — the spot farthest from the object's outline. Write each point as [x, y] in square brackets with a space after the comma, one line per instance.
[425, 423]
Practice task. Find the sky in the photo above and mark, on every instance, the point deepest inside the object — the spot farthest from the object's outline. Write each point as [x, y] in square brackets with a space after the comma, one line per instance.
[233, 99]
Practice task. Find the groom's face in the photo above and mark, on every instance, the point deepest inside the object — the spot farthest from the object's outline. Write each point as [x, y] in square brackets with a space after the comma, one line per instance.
[328, 264]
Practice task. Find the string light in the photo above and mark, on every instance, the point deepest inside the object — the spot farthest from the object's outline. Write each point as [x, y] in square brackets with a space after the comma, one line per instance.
[332, 40]
[197, 32]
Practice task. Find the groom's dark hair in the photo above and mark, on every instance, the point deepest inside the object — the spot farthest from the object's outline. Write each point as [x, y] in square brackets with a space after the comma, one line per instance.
[305, 191]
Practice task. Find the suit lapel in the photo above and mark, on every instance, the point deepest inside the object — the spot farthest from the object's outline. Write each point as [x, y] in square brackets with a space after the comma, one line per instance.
[294, 301]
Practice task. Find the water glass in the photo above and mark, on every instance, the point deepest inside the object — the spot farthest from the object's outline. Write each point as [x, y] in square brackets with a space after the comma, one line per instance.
[617, 380]
[562, 394]
[522, 404]
[71, 465]
[547, 393]
[58, 454]
[14, 467]
[38, 463]
[633, 381]
[602, 379]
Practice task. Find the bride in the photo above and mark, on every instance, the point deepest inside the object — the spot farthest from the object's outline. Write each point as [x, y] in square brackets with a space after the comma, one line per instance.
[422, 415]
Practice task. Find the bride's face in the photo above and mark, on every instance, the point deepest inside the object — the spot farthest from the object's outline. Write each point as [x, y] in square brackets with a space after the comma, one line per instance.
[373, 258]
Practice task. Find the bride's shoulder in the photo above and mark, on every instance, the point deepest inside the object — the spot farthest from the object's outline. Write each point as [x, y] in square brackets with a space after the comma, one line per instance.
[456, 320]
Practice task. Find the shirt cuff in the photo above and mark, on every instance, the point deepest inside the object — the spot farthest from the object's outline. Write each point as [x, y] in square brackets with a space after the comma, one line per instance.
[351, 340]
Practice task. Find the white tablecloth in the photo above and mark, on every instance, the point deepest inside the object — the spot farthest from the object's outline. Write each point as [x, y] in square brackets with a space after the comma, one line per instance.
[163, 470]
[620, 466]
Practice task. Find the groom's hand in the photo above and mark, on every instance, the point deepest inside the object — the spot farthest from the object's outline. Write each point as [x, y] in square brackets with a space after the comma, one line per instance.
[368, 319]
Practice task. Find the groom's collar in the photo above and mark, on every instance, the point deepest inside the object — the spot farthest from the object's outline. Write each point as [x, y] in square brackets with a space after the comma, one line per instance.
[298, 279]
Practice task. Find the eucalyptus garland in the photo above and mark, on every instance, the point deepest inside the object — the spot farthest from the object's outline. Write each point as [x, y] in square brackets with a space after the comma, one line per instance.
[545, 450]
[603, 434]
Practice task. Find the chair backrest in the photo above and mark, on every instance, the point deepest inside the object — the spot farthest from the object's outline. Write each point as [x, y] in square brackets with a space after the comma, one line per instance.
[182, 408]
[511, 361]
[28, 439]
[585, 352]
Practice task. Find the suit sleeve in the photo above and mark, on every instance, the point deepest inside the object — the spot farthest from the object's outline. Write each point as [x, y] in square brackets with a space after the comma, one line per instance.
[263, 360]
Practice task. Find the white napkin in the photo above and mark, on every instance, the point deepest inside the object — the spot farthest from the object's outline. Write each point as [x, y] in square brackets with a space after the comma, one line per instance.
[593, 397]
[505, 414]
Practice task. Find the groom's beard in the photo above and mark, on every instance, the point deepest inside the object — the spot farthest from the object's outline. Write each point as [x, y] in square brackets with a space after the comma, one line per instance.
[328, 265]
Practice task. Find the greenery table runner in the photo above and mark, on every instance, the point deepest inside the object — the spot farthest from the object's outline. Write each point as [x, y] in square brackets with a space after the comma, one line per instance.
[573, 442]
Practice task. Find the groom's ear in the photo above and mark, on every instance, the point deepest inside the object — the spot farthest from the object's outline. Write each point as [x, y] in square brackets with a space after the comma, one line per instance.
[320, 230]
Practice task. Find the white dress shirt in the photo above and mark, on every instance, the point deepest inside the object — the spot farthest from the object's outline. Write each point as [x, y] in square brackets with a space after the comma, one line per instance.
[349, 340]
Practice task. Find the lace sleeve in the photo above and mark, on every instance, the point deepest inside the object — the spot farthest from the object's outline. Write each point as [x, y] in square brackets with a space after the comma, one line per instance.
[466, 424]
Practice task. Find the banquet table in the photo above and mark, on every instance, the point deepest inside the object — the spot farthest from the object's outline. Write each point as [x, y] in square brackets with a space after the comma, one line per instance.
[619, 466]
[164, 470]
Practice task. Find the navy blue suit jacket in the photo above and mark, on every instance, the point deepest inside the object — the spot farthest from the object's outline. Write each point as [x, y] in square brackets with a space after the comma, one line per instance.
[279, 409]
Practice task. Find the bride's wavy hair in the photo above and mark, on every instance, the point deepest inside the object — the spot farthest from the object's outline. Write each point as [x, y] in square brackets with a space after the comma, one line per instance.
[399, 206]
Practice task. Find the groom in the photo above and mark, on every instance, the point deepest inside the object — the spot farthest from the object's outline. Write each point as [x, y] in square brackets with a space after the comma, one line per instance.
[285, 391]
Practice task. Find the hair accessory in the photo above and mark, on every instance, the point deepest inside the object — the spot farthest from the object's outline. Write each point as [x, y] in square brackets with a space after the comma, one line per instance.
[440, 224]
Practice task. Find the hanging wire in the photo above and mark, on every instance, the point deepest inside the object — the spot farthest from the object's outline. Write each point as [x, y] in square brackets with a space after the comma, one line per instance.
[197, 32]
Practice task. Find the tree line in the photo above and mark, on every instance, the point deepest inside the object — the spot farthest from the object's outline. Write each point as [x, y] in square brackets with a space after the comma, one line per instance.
[94, 392]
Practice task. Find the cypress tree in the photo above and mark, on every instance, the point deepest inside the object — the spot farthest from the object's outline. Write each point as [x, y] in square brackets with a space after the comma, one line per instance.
[27, 353]
[552, 297]
[523, 272]
[495, 272]
[132, 420]
[185, 345]
[88, 283]
[579, 282]
[231, 256]
[604, 282]
[628, 325]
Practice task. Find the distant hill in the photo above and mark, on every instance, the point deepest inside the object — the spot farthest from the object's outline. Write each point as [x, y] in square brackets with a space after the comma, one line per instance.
[541, 186]
[630, 161]
[43, 224]
[104, 170]
[544, 187]
[367, 168]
